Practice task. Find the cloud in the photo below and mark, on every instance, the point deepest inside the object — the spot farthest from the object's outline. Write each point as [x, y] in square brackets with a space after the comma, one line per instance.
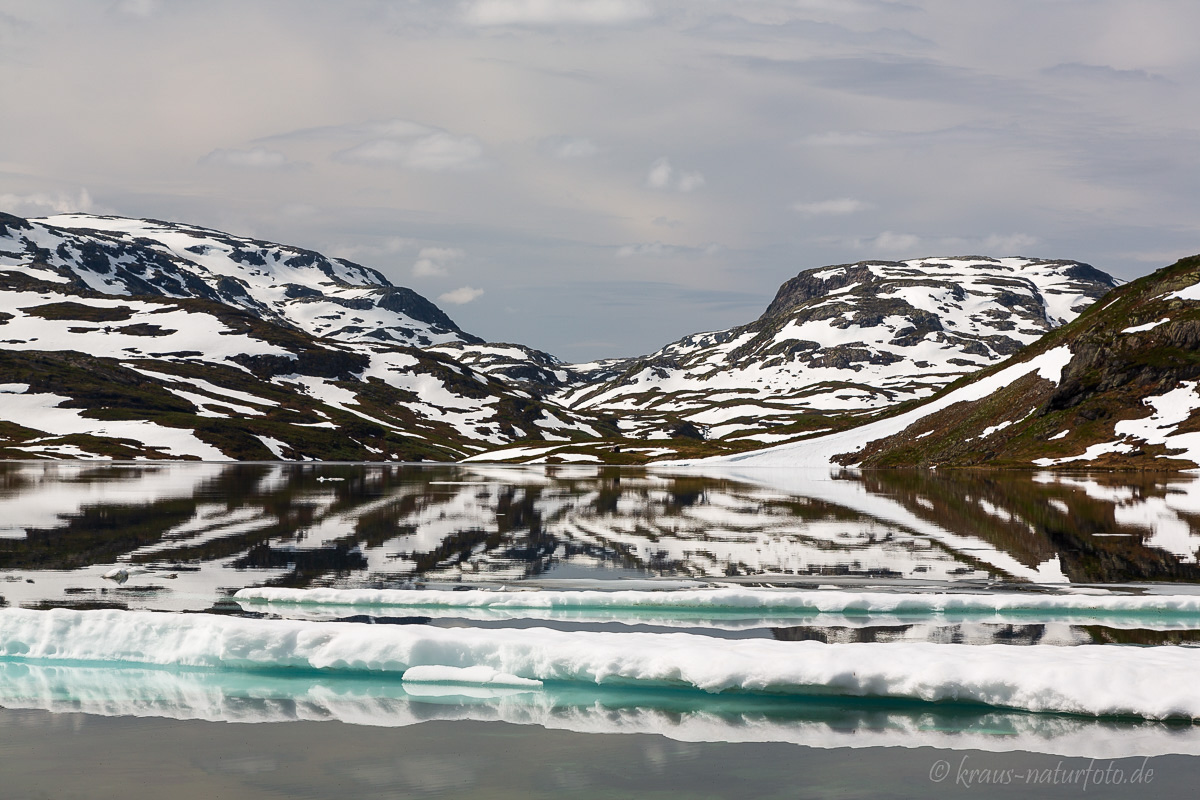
[30, 205]
[569, 147]
[662, 176]
[843, 205]
[432, 261]
[460, 296]
[399, 142]
[556, 12]
[689, 181]
[254, 158]
[1104, 73]
[659, 176]
[894, 244]
[434, 152]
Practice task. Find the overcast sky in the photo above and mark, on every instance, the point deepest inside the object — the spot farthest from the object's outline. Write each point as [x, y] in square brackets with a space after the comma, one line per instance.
[599, 177]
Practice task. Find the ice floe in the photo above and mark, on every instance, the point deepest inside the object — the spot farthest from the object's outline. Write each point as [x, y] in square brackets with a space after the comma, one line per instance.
[1146, 682]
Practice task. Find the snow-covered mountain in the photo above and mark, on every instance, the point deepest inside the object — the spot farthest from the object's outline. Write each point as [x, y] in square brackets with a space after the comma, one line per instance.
[837, 341]
[327, 297]
[1117, 389]
[140, 338]
[134, 338]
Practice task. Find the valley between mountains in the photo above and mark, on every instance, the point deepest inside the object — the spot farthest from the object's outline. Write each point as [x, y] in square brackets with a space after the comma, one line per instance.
[140, 339]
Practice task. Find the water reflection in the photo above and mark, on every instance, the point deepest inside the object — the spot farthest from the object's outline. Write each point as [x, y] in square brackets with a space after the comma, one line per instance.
[188, 534]
[287, 696]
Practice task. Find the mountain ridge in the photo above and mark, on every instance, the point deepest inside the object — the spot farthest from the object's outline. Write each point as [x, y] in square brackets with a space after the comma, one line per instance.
[155, 305]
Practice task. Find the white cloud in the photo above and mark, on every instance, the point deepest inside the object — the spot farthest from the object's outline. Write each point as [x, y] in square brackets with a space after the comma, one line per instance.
[433, 152]
[30, 205]
[254, 158]
[433, 261]
[460, 296]
[842, 205]
[556, 12]
[565, 147]
[662, 176]
[659, 176]
[689, 181]
[402, 142]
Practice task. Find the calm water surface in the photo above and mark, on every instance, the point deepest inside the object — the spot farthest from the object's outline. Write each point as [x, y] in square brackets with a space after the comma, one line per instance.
[184, 537]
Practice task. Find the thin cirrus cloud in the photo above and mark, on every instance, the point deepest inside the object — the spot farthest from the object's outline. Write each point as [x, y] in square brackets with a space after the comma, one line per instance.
[397, 142]
[435, 152]
[837, 207]
[460, 296]
[434, 262]
[556, 12]
[663, 176]
[254, 158]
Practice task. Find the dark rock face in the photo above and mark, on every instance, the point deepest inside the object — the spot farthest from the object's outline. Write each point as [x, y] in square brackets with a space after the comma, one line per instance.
[808, 285]
[407, 302]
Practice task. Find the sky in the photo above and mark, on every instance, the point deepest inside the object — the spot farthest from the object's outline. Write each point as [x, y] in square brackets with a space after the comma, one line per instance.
[597, 178]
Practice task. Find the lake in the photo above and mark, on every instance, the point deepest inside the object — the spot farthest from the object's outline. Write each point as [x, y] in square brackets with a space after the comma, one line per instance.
[259, 630]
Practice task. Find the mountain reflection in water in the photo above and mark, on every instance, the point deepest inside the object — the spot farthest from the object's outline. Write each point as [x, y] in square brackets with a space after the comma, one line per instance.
[186, 535]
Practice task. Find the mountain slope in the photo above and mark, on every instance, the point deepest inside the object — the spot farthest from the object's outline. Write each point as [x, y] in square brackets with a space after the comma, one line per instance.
[333, 298]
[1115, 389]
[116, 345]
[844, 340]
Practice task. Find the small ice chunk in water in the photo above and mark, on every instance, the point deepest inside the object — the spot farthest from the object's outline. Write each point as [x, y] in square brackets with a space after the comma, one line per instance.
[476, 675]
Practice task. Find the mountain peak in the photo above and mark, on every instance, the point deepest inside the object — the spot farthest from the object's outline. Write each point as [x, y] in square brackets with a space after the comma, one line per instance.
[293, 286]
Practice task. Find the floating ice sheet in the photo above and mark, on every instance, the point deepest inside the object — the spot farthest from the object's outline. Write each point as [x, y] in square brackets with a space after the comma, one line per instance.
[1146, 682]
[906, 605]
